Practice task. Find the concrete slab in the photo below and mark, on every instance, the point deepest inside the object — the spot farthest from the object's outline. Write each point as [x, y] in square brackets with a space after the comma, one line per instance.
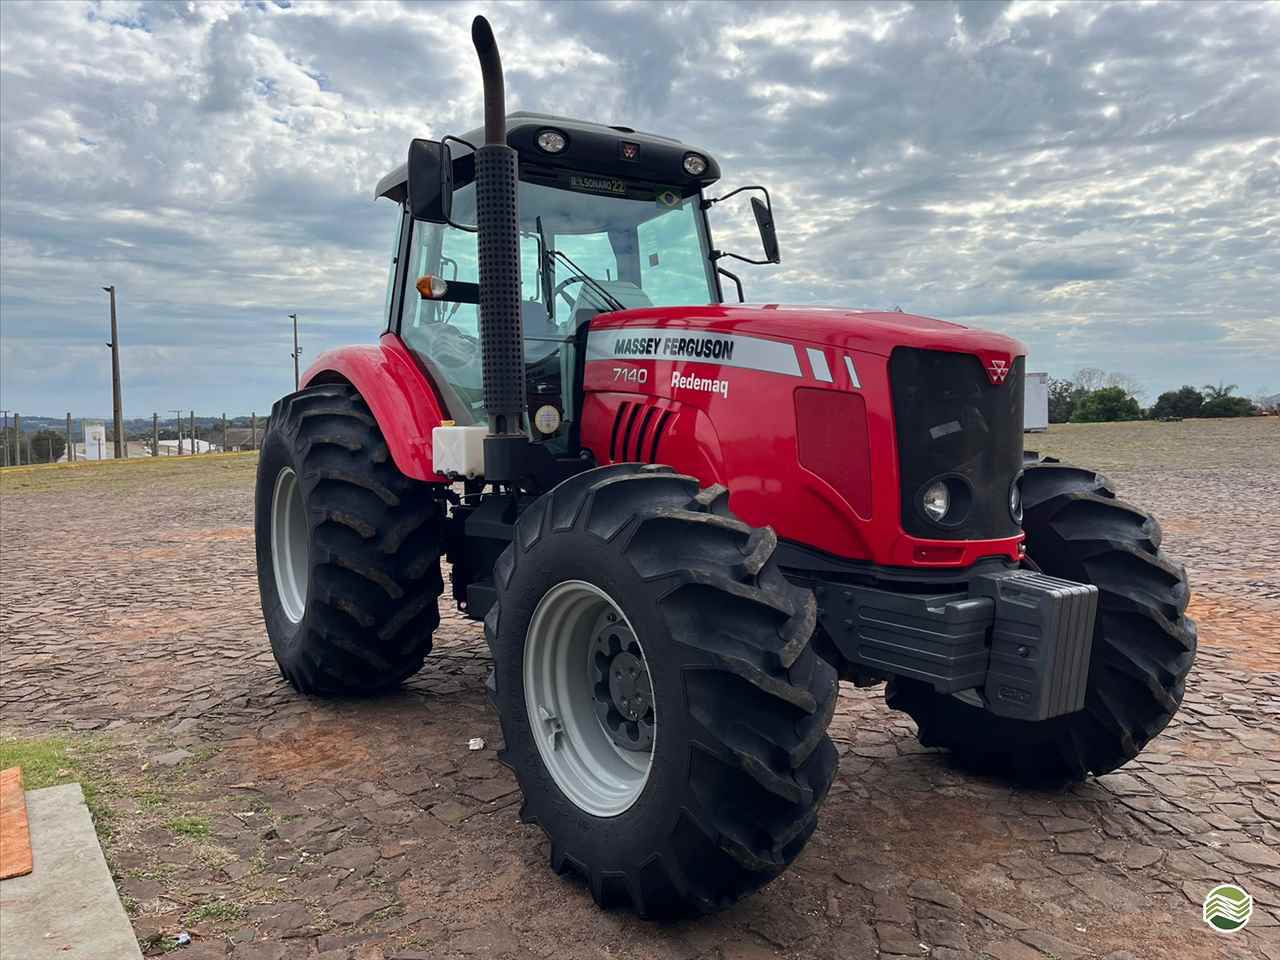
[67, 908]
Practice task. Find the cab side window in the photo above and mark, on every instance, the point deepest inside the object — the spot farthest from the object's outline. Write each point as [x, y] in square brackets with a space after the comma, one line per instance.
[449, 254]
[396, 234]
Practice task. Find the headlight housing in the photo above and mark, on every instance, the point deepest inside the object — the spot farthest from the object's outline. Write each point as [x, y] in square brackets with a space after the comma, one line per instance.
[695, 164]
[945, 500]
[1015, 499]
[936, 501]
[552, 141]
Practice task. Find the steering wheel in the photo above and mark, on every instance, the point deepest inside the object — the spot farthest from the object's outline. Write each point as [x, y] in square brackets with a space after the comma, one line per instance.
[560, 289]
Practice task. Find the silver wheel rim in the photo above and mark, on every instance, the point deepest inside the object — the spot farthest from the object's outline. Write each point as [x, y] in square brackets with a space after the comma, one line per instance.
[289, 545]
[562, 689]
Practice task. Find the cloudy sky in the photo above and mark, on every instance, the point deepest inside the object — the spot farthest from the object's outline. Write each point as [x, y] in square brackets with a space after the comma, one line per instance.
[1102, 181]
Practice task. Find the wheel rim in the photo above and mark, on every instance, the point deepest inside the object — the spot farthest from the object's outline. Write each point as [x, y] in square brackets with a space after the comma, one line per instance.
[588, 692]
[289, 544]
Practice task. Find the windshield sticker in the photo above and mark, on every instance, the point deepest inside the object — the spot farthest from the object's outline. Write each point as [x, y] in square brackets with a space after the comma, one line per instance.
[610, 185]
[748, 353]
[668, 198]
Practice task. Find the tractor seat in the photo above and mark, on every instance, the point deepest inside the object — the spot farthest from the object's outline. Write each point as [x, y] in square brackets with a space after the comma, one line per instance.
[536, 323]
[589, 303]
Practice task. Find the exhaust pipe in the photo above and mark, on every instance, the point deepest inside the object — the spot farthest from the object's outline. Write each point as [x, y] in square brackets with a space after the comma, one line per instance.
[497, 217]
[495, 97]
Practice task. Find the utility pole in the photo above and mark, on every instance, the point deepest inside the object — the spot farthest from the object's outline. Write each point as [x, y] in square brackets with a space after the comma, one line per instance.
[71, 451]
[17, 436]
[296, 352]
[155, 434]
[4, 436]
[253, 431]
[195, 447]
[177, 418]
[116, 409]
[224, 431]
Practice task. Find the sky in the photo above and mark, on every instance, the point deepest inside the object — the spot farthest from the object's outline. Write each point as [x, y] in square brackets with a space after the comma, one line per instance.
[1101, 181]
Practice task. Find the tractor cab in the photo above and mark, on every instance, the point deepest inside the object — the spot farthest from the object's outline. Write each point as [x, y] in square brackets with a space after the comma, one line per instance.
[609, 219]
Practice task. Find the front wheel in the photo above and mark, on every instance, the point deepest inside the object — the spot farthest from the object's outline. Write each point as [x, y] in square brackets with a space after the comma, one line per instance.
[348, 548]
[1143, 643]
[662, 708]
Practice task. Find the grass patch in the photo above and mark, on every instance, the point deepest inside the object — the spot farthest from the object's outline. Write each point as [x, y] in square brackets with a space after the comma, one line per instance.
[53, 761]
[216, 910]
[158, 942]
[44, 762]
[205, 470]
[154, 870]
[150, 799]
[195, 827]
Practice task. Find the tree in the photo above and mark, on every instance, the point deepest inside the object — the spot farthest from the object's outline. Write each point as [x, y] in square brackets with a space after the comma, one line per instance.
[1062, 400]
[1126, 382]
[1218, 402]
[1185, 402]
[47, 446]
[1109, 403]
[1090, 379]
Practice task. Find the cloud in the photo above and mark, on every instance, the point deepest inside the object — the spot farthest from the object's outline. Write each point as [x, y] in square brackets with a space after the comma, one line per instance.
[1101, 180]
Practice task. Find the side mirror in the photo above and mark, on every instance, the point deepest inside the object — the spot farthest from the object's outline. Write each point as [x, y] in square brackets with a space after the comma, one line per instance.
[768, 236]
[430, 187]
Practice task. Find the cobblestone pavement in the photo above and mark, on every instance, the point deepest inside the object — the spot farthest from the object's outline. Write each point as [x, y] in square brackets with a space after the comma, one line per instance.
[271, 826]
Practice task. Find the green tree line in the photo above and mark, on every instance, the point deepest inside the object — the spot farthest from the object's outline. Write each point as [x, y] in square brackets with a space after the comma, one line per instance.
[1094, 396]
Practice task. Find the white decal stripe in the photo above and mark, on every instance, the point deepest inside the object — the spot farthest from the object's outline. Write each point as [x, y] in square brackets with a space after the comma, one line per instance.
[717, 349]
[818, 360]
[853, 374]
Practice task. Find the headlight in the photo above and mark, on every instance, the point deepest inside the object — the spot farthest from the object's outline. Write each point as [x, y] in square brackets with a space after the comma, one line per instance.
[694, 164]
[551, 141]
[1015, 501]
[936, 501]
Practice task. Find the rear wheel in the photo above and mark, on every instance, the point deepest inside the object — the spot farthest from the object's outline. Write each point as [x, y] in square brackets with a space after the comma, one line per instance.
[1143, 644]
[661, 706]
[348, 548]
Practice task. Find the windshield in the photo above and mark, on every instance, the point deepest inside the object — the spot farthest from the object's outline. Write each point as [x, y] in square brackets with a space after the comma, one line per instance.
[581, 252]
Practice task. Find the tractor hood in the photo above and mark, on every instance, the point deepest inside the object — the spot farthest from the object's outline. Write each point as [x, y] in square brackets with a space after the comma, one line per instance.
[869, 331]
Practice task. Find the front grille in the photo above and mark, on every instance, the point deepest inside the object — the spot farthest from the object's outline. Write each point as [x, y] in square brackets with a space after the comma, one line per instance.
[953, 422]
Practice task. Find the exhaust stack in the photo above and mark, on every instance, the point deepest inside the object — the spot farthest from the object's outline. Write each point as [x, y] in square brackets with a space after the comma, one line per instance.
[501, 333]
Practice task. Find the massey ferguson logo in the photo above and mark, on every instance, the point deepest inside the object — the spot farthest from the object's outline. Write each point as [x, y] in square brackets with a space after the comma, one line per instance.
[997, 370]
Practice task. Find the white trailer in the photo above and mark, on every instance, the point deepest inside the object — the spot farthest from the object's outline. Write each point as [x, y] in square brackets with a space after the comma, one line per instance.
[1035, 403]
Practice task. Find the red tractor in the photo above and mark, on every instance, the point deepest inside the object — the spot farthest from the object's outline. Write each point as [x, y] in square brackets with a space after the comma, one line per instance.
[682, 521]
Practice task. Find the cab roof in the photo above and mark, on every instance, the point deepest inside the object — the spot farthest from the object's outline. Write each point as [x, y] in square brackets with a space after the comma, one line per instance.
[594, 147]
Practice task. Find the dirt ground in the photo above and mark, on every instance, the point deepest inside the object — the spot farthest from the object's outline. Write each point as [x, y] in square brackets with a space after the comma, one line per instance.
[271, 826]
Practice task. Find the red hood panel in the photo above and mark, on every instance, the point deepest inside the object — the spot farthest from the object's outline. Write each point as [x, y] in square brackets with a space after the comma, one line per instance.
[871, 331]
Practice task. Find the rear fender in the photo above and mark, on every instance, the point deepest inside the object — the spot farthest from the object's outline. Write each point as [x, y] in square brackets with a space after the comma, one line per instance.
[401, 396]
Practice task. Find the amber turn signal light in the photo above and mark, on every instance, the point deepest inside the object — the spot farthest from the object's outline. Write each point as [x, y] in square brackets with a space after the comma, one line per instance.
[431, 288]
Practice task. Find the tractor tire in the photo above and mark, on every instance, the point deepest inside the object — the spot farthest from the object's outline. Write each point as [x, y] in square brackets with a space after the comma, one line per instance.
[348, 548]
[724, 793]
[1143, 643]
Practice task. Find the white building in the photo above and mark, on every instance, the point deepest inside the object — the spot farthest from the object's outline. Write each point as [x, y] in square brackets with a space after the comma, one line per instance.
[169, 448]
[1035, 403]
